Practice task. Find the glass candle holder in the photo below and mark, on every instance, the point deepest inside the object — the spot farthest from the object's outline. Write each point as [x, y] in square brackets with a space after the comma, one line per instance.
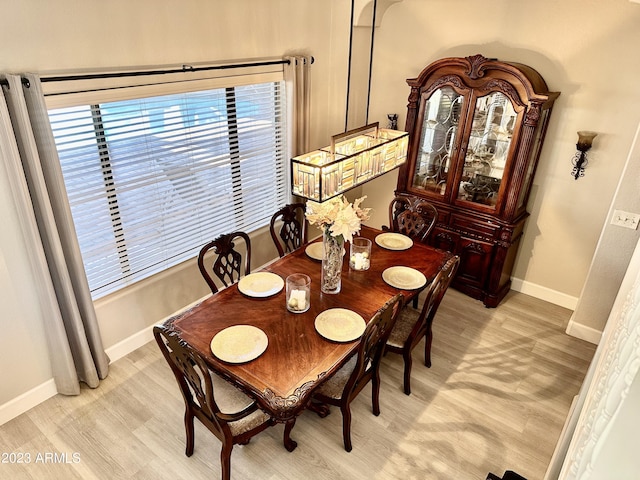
[298, 292]
[360, 255]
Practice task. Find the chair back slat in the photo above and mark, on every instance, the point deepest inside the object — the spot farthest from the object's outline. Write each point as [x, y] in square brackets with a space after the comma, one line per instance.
[293, 231]
[372, 344]
[438, 288]
[192, 374]
[228, 265]
[412, 216]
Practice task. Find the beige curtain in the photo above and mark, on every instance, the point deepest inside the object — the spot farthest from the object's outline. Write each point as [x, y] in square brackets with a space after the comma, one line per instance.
[75, 346]
[298, 82]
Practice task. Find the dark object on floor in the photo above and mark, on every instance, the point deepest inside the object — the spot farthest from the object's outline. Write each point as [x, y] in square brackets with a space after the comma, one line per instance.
[508, 475]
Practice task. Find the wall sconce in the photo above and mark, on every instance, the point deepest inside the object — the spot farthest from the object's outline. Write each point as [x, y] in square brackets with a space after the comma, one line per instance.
[353, 158]
[585, 139]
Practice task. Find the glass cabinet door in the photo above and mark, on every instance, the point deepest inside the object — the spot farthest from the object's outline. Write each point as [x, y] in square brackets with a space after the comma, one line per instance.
[494, 119]
[437, 139]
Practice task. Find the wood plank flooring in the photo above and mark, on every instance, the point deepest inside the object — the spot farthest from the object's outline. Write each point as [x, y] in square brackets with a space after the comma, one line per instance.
[495, 398]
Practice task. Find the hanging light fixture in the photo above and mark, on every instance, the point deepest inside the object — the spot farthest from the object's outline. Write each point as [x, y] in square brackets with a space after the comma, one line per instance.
[353, 158]
[358, 155]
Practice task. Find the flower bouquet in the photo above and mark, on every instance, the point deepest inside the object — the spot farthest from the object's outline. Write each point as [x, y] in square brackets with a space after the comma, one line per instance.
[339, 221]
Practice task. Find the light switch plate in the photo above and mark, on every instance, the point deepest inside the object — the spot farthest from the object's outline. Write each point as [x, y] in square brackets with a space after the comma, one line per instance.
[625, 219]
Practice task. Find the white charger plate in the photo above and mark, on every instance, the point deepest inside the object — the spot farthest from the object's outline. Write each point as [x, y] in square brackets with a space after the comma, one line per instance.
[314, 250]
[405, 278]
[239, 343]
[340, 325]
[394, 241]
[261, 284]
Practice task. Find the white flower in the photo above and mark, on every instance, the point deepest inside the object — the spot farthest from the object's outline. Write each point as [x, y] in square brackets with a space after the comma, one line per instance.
[337, 216]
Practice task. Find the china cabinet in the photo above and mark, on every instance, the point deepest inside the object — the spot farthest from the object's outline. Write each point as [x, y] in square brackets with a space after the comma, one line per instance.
[476, 128]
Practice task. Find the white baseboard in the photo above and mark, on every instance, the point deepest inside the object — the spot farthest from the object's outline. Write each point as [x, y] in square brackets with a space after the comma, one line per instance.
[46, 390]
[27, 401]
[129, 344]
[544, 293]
[137, 340]
[583, 332]
[577, 330]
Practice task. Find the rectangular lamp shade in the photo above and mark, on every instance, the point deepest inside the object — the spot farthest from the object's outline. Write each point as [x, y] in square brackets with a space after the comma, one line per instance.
[353, 158]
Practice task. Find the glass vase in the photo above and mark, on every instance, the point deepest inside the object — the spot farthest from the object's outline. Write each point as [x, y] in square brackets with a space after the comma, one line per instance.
[332, 254]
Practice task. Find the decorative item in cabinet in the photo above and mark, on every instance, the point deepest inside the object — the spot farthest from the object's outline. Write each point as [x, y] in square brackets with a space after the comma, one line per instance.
[476, 127]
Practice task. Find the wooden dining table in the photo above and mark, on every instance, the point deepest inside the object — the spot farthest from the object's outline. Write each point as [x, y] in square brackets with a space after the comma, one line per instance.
[297, 358]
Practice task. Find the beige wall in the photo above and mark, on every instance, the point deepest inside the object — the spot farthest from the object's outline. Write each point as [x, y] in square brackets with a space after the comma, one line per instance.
[580, 47]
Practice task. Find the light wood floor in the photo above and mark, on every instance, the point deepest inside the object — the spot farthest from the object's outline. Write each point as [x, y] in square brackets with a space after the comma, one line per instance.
[495, 398]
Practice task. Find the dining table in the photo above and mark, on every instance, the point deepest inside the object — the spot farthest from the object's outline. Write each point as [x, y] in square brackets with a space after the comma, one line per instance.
[296, 358]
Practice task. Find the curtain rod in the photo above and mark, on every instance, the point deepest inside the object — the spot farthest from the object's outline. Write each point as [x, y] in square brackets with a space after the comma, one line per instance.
[184, 69]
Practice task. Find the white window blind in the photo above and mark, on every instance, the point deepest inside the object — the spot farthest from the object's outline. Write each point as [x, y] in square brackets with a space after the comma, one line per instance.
[150, 180]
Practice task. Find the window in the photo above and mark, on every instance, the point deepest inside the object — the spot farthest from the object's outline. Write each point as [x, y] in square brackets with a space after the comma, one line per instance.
[151, 179]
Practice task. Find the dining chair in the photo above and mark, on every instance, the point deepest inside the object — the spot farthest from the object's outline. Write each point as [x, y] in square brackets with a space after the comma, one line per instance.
[411, 326]
[293, 231]
[228, 413]
[364, 366]
[412, 216]
[228, 265]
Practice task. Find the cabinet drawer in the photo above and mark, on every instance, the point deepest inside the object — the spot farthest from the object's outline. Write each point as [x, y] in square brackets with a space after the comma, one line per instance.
[444, 239]
[443, 217]
[481, 229]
